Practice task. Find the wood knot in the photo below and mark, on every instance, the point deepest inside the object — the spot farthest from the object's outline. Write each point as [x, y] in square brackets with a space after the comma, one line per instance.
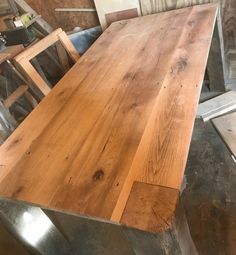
[98, 175]
[14, 142]
[182, 64]
[191, 23]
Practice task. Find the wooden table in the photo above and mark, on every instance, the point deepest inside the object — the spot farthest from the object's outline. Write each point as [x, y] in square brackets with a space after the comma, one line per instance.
[111, 140]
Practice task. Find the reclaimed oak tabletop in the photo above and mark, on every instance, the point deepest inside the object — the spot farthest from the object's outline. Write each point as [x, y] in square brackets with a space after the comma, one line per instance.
[111, 140]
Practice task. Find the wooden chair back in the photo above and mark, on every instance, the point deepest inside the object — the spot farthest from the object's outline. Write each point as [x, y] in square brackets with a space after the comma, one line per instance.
[23, 59]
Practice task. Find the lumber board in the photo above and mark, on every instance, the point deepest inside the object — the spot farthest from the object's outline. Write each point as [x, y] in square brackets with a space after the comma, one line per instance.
[106, 6]
[116, 118]
[217, 106]
[226, 126]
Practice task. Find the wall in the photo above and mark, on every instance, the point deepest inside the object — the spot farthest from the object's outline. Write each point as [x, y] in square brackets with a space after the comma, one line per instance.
[229, 27]
[66, 20]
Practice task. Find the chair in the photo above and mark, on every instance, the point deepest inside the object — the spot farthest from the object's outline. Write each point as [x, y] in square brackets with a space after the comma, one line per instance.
[63, 45]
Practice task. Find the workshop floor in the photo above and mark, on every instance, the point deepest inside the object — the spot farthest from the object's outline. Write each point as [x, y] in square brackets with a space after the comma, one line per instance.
[210, 194]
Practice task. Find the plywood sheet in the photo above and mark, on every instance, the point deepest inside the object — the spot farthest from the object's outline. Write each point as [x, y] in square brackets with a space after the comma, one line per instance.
[66, 20]
[123, 114]
[154, 6]
[106, 6]
[226, 126]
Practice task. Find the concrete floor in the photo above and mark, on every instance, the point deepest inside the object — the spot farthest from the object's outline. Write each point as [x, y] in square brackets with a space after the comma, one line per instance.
[210, 194]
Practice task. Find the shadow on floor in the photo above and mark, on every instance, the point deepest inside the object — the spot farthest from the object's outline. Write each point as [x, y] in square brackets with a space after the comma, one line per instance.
[210, 194]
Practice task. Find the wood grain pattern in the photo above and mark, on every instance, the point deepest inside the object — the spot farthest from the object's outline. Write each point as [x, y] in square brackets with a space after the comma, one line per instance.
[150, 207]
[118, 116]
[227, 18]
[226, 126]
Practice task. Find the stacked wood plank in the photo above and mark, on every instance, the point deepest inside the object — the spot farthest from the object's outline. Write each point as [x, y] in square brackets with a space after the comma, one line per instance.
[111, 139]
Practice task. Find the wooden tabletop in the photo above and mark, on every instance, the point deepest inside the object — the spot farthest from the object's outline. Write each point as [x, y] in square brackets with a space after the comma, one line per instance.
[111, 140]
